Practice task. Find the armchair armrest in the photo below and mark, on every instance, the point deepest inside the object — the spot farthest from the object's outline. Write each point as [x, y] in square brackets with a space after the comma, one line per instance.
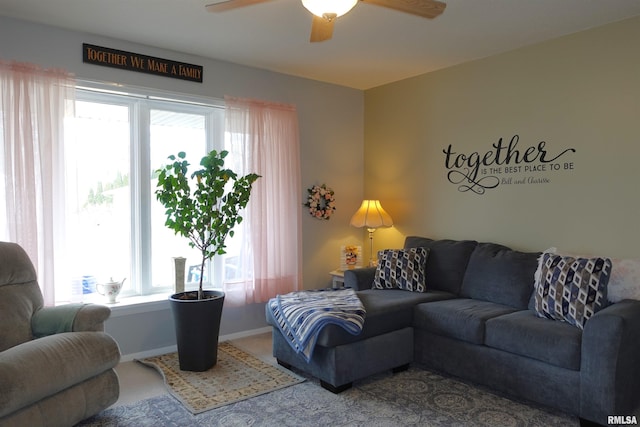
[91, 318]
[359, 278]
[69, 318]
[610, 372]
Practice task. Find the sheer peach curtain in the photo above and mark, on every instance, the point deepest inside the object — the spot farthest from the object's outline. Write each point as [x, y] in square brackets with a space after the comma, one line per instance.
[33, 105]
[269, 135]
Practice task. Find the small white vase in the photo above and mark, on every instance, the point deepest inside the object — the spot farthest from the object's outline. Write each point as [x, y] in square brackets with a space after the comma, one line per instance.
[178, 274]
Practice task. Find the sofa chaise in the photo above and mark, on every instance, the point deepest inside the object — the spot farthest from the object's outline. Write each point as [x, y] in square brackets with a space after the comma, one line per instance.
[477, 317]
[56, 363]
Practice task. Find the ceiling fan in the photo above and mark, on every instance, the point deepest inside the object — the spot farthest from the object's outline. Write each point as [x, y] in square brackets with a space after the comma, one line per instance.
[325, 12]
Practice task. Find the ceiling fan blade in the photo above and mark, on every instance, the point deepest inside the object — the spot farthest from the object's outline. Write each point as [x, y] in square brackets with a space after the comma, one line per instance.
[425, 8]
[321, 29]
[224, 5]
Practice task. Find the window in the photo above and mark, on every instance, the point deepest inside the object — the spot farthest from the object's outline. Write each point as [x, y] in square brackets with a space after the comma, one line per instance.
[115, 226]
[84, 207]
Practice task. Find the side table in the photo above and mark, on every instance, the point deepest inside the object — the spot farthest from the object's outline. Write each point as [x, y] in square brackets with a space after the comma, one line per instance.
[337, 279]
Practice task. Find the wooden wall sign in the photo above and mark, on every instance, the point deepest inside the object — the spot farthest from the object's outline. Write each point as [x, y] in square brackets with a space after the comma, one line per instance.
[108, 57]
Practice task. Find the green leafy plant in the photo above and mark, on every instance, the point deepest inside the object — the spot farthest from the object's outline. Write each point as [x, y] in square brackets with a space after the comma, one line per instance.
[205, 206]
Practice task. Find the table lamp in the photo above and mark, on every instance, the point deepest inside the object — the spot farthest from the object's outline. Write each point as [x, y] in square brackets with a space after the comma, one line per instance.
[372, 216]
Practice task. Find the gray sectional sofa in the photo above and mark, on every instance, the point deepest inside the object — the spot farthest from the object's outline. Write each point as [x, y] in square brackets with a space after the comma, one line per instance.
[476, 320]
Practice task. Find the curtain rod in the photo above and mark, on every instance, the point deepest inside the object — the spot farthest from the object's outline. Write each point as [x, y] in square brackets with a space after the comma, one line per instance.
[147, 93]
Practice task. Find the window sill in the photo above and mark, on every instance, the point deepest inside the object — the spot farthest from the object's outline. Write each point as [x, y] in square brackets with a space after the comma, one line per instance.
[134, 304]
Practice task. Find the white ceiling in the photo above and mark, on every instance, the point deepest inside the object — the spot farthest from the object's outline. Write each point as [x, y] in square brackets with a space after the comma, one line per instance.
[371, 45]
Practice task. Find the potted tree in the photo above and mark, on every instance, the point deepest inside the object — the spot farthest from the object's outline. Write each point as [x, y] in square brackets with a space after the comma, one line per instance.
[204, 207]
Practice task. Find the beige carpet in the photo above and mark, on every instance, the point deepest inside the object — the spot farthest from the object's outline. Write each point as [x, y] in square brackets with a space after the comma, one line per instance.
[236, 376]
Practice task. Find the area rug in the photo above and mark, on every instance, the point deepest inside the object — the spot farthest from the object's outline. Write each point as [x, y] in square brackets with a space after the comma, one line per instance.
[416, 397]
[236, 376]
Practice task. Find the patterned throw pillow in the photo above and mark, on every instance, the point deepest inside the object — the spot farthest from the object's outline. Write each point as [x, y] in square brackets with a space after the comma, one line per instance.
[571, 289]
[402, 269]
[624, 282]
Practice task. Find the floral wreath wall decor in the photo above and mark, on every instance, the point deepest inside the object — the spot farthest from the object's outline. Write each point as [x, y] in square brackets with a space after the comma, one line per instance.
[321, 201]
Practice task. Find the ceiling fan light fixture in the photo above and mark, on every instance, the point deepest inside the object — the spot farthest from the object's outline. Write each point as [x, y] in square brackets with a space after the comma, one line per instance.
[333, 8]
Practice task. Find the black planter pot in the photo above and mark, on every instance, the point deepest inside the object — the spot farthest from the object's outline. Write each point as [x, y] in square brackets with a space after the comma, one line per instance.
[197, 324]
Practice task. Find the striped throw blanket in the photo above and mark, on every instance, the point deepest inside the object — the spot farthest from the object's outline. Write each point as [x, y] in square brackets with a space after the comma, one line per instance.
[300, 316]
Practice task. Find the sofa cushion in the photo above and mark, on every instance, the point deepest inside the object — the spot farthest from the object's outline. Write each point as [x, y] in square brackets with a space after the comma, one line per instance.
[624, 282]
[499, 274]
[446, 263]
[402, 269]
[526, 334]
[571, 289]
[387, 310]
[460, 318]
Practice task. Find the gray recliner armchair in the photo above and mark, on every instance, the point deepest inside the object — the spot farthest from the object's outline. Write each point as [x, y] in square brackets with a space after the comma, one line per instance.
[56, 363]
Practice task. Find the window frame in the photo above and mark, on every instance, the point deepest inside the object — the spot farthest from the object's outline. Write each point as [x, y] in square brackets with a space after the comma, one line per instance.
[140, 103]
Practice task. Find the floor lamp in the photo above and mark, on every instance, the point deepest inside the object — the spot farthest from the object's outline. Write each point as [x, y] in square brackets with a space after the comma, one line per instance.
[372, 216]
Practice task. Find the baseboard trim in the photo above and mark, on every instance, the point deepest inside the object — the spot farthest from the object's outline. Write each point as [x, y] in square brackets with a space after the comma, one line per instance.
[148, 353]
[172, 348]
[245, 334]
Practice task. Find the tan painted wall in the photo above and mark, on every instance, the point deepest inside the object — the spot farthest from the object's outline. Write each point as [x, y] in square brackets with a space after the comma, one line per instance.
[580, 92]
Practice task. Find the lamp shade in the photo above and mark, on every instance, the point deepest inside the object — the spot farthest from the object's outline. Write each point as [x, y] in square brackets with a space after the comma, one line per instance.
[322, 7]
[371, 215]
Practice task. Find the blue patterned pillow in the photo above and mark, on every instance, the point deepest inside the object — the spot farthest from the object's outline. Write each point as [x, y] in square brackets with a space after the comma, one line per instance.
[402, 269]
[571, 289]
